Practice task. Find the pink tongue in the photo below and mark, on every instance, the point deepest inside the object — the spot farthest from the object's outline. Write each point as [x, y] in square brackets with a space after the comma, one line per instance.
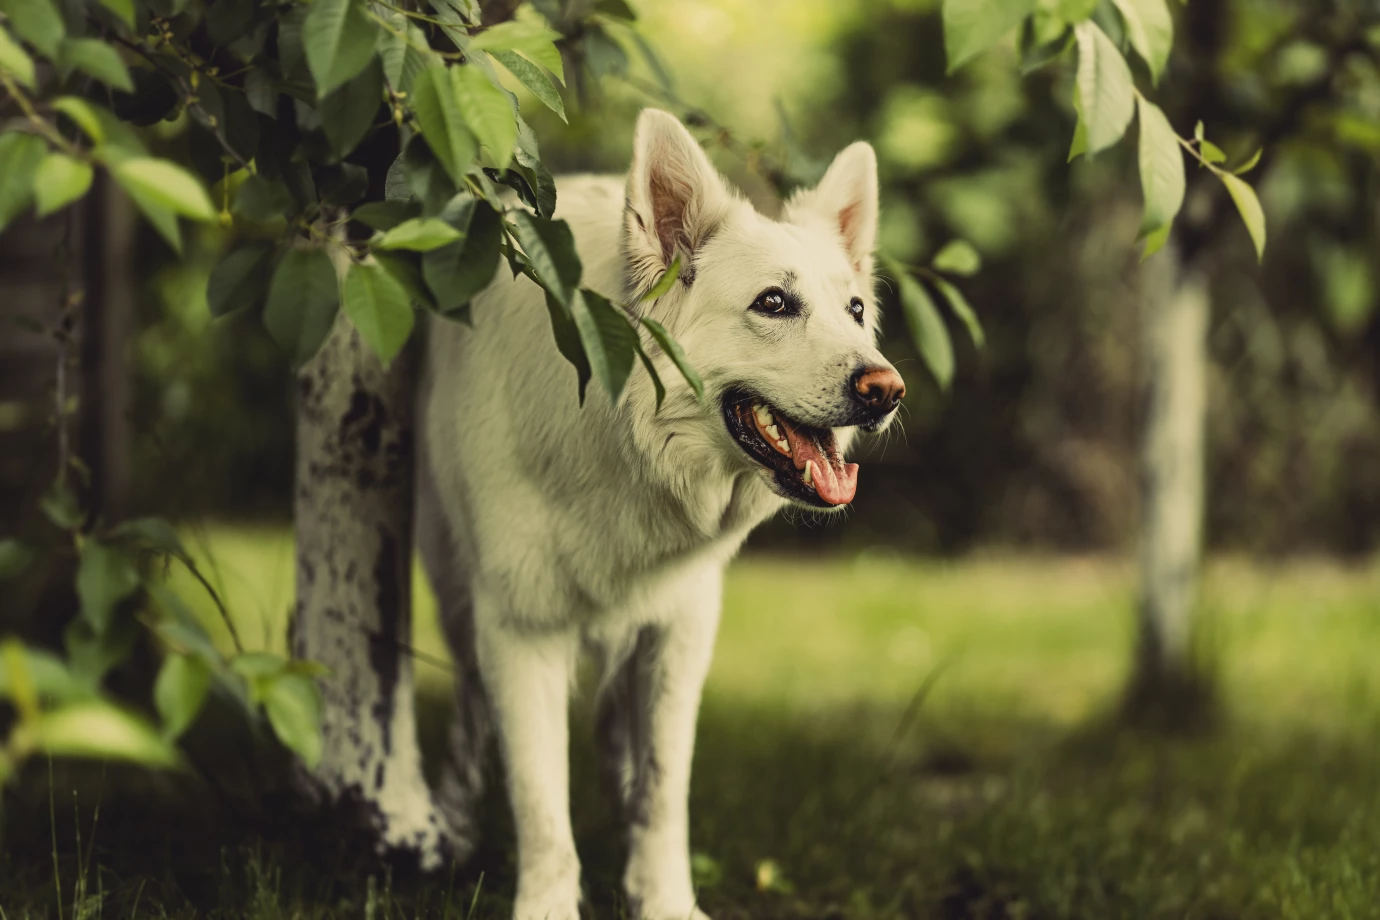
[835, 481]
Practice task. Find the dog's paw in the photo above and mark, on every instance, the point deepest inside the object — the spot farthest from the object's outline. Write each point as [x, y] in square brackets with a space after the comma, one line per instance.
[646, 910]
[546, 906]
[549, 890]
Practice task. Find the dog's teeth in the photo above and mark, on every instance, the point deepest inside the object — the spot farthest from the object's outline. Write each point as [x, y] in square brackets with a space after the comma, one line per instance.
[763, 415]
[784, 445]
[809, 476]
[774, 432]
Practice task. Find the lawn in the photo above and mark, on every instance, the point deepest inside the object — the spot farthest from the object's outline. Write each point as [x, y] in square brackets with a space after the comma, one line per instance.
[1005, 793]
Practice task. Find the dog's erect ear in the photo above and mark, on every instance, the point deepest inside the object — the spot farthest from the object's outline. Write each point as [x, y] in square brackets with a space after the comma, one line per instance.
[675, 196]
[847, 198]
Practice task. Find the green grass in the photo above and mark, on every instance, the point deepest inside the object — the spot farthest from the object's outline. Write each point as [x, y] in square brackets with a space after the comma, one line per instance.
[1007, 794]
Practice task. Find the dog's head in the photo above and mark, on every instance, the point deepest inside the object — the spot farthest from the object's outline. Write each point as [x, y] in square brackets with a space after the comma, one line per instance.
[778, 317]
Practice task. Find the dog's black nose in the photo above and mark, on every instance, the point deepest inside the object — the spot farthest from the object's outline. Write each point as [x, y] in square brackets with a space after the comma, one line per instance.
[878, 389]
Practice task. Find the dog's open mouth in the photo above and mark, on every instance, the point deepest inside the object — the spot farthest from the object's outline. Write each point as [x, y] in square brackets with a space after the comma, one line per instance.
[805, 460]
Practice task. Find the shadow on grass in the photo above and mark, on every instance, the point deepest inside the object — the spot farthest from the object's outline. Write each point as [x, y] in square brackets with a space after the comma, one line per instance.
[794, 815]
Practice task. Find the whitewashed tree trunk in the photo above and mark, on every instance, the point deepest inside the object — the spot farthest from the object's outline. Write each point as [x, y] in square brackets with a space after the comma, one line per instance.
[1174, 321]
[353, 510]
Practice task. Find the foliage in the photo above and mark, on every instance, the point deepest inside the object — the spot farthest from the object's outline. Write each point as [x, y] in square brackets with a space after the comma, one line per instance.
[62, 706]
[1106, 95]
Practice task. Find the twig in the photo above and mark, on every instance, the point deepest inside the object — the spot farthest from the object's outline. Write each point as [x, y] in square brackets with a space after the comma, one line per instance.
[190, 98]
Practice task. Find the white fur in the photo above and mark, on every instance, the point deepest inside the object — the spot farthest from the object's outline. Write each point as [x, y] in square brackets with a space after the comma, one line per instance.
[555, 527]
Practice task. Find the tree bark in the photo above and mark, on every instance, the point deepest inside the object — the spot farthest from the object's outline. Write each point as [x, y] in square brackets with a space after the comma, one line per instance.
[353, 511]
[1174, 322]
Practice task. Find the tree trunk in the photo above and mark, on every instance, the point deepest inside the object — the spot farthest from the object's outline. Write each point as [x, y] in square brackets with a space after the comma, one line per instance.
[353, 510]
[1174, 321]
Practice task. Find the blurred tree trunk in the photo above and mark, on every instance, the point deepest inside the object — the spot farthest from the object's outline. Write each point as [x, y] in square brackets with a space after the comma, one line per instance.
[353, 515]
[66, 307]
[1174, 322]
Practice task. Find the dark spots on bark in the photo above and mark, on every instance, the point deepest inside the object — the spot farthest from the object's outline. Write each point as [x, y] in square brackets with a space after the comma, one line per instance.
[359, 407]
[308, 572]
[378, 775]
[383, 650]
[350, 571]
[365, 479]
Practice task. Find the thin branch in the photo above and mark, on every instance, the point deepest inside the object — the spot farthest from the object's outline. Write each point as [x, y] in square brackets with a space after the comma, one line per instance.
[189, 96]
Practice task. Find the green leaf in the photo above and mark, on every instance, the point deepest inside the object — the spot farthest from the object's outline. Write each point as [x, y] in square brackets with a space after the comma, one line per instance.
[1161, 168]
[443, 126]
[609, 339]
[567, 336]
[179, 692]
[616, 8]
[105, 576]
[293, 704]
[1079, 145]
[664, 283]
[1251, 162]
[123, 10]
[962, 309]
[1249, 206]
[958, 257]
[385, 215]
[420, 234]
[1151, 30]
[534, 78]
[156, 534]
[59, 181]
[303, 300]
[165, 184]
[258, 665]
[262, 200]
[15, 61]
[163, 220]
[82, 115]
[20, 156]
[379, 307]
[97, 729]
[487, 110]
[1155, 240]
[348, 113]
[527, 36]
[240, 279]
[927, 328]
[457, 272]
[38, 22]
[657, 386]
[397, 49]
[15, 557]
[973, 26]
[338, 40]
[1106, 93]
[59, 505]
[550, 247]
[98, 59]
[47, 675]
[406, 269]
[1211, 152]
[672, 350]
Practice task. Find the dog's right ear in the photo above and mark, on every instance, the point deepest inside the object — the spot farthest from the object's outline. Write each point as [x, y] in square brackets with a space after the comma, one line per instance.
[675, 197]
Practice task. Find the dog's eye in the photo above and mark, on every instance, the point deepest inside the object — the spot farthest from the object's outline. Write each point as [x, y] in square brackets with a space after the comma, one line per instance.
[776, 302]
[855, 309]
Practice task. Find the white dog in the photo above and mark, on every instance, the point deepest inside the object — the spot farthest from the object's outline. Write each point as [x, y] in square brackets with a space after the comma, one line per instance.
[547, 528]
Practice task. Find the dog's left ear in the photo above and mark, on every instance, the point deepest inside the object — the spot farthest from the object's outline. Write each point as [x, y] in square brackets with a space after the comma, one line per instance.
[847, 198]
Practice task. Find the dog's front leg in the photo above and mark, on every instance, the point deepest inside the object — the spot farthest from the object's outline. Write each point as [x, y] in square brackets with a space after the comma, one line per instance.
[668, 670]
[527, 677]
